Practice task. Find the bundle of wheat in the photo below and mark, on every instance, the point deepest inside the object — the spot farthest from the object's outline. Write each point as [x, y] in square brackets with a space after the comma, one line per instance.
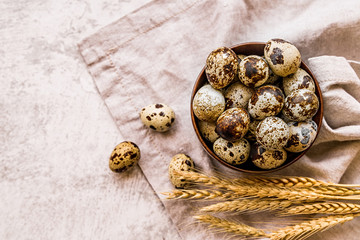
[286, 196]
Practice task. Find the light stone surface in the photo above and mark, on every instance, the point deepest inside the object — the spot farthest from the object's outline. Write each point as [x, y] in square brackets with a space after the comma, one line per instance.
[57, 134]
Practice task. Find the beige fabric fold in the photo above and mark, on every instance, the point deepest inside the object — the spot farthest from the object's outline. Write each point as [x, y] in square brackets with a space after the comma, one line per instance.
[155, 54]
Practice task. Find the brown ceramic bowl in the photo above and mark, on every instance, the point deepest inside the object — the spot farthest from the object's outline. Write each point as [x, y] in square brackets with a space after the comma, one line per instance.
[252, 48]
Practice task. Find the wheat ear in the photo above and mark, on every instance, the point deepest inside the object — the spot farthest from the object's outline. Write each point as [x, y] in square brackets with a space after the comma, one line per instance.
[291, 182]
[283, 181]
[199, 194]
[326, 208]
[306, 229]
[206, 180]
[339, 191]
[251, 205]
[245, 190]
[231, 227]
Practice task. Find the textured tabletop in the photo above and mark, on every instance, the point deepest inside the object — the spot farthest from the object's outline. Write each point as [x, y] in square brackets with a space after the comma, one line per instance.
[57, 135]
[58, 127]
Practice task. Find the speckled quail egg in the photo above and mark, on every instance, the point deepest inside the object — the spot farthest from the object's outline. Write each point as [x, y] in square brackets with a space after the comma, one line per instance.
[208, 103]
[253, 71]
[251, 134]
[283, 57]
[233, 124]
[158, 117]
[272, 133]
[299, 80]
[234, 153]
[124, 156]
[267, 159]
[302, 134]
[300, 105]
[221, 67]
[179, 162]
[237, 95]
[207, 130]
[265, 102]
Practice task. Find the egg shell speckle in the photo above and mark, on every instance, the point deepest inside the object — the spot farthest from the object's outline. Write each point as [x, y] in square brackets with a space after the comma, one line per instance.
[302, 134]
[251, 134]
[265, 102]
[267, 159]
[158, 117]
[282, 56]
[208, 103]
[233, 124]
[179, 162]
[272, 133]
[237, 95]
[299, 80]
[253, 71]
[234, 153]
[221, 67]
[300, 105]
[207, 130]
[124, 156]
[273, 78]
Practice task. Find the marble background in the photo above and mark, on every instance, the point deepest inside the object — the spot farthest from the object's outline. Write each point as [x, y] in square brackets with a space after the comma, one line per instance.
[56, 133]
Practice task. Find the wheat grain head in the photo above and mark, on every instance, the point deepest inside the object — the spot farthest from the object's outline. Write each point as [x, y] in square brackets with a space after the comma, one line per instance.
[231, 227]
[308, 228]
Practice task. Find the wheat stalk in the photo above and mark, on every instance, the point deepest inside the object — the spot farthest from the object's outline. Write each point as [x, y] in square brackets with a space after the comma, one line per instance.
[325, 208]
[243, 205]
[231, 227]
[197, 194]
[306, 229]
[282, 181]
[207, 180]
[341, 191]
[290, 182]
[245, 190]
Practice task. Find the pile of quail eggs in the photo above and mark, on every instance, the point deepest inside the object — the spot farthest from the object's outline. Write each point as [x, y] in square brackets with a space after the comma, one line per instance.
[257, 108]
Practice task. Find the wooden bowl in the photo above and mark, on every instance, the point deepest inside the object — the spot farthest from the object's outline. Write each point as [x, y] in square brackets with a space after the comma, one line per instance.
[252, 48]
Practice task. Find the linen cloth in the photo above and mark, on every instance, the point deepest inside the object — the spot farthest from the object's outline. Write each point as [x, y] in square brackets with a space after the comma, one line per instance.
[154, 55]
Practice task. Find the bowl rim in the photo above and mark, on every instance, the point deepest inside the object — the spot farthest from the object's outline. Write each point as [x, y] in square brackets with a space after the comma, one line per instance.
[318, 116]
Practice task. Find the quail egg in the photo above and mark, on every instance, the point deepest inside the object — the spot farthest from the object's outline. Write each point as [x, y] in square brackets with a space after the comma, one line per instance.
[207, 130]
[158, 117]
[302, 134]
[300, 105]
[208, 103]
[233, 124]
[267, 159]
[299, 80]
[234, 153]
[221, 67]
[272, 133]
[266, 101]
[124, 156]
[283, 57]
[179, 162]
[237, 95]
[253, 71]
